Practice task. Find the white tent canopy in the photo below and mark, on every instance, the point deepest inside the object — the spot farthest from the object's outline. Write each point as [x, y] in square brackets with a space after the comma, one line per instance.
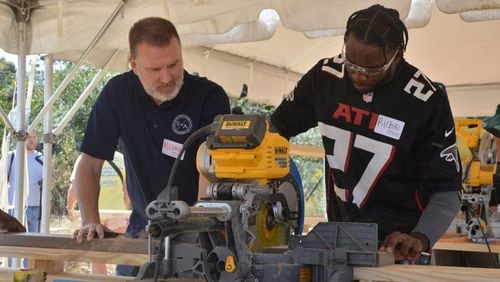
[266, 44]
[463, 55]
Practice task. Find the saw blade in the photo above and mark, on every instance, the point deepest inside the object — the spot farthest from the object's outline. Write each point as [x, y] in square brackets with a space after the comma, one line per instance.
[268, 233]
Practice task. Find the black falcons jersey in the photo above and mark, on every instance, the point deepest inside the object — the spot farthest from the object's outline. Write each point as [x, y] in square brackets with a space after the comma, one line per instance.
[387, 151]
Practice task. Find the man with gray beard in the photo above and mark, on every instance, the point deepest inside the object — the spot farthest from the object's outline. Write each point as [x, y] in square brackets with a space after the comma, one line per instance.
[150, 111]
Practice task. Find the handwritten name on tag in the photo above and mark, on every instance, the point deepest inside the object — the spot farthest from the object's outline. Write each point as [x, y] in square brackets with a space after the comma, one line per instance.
[389, 127]
[171, 148]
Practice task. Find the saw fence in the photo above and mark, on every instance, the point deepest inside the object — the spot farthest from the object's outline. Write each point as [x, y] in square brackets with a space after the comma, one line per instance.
[49, 252]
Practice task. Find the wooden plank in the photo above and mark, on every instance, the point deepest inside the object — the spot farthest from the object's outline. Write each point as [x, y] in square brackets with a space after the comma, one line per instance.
[384, 273]
[87, 277]
[399, 272]
[307, 151]
[465, 244]
[62, 248]
[59, 241]
[7, 275]
[48, 266]
[73, 255]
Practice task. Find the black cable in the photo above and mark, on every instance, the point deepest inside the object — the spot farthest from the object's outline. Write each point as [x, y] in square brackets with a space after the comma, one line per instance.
[492, 255]
[167, 190]
[202, 131]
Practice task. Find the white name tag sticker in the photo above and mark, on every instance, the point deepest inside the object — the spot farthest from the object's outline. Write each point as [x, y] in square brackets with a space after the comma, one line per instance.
[389, 127]
[171, 148]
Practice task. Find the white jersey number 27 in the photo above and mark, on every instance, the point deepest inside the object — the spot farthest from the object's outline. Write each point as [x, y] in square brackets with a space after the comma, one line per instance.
[343, 145]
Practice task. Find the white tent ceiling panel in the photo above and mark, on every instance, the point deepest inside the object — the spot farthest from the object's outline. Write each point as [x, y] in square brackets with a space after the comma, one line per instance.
[458, 6]
[232, 72]
[98, 57]
[58, 26]
[474, 101]
[447, 49]
[483, 15]
[258, 30]
[304, 15]
[61, 25]
[212, 17]
[8, 35]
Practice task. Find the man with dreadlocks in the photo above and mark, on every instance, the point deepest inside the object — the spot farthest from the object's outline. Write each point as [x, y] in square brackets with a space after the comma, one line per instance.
[388, 135]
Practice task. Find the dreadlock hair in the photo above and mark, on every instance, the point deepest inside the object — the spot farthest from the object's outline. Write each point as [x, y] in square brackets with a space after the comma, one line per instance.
[380, 26]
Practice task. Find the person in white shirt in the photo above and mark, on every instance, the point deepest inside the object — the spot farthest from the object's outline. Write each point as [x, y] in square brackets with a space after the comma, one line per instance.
[35, 176]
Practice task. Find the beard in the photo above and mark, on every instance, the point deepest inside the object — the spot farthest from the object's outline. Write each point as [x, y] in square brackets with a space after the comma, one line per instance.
[162, 94]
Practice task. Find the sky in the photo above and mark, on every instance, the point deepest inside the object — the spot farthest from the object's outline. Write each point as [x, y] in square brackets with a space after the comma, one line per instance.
[9, 57]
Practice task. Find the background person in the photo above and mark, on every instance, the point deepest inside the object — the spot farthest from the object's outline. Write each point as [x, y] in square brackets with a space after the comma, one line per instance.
[388, 135]
[35, 175]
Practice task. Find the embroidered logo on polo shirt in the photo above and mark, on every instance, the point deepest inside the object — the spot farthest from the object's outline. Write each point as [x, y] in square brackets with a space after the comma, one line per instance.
[182, 124]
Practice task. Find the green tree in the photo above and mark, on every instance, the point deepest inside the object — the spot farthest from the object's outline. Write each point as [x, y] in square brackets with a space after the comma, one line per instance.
[7, 86]
[66, 149]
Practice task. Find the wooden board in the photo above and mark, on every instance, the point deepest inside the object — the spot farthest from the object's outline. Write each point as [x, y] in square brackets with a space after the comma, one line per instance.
[73, 255]
[419, 273]
[453, 243]
[385, 273]
[58, 241]
[7, 275]
[62, 248]
[307, 151]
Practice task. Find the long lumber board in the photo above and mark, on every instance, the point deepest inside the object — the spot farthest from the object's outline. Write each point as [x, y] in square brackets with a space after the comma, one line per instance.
[134, 252]
[406, 273]
[63, 248]
[7, 275]
[403, 273]
[465, 244]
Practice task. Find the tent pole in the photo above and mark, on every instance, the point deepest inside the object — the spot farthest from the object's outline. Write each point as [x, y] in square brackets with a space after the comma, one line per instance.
[81, 99]
[80, 62]
[48, 142]
[31, 83]
[7, 122]
[21, 134]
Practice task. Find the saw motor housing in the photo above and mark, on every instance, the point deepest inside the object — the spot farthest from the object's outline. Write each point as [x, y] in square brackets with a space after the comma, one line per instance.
[243, 147]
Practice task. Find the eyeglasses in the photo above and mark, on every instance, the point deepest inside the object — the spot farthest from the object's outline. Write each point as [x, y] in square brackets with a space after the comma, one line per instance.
[367, 71]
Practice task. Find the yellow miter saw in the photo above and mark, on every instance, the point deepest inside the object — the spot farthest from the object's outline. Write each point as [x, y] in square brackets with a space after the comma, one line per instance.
[253, 204]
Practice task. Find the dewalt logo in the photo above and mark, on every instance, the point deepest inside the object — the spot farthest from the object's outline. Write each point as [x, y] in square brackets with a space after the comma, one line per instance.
[236, 124]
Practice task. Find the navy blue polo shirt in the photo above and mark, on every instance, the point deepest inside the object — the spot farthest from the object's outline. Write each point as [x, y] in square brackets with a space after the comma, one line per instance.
[150, 135]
